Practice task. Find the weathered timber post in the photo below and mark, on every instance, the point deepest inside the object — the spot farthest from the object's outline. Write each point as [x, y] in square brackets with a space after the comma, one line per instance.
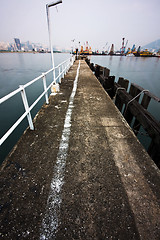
[154, 151]
[106, 72]
[134, 91]
[123, 83]
[92, 67]
[145, 102]
[107, 81]
[87, 61]
[108, 85]
[98, 70]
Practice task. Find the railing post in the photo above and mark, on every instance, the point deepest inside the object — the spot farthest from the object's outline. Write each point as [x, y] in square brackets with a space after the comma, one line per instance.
[54, 76]
[62, 71]
[26, 106]
[59, 72]
[68, 65]
[45, 88]
[72, 60]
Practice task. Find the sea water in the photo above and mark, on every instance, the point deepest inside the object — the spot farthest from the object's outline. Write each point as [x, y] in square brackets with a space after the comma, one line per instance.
[18, 69]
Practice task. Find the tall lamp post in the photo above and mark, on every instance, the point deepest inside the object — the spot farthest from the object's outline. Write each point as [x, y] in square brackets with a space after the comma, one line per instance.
[49, 31]
[72, 45]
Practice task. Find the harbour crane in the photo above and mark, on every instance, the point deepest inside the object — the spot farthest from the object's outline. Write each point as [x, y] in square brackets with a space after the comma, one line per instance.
[105, 46]
[125, 46]
[122, 49]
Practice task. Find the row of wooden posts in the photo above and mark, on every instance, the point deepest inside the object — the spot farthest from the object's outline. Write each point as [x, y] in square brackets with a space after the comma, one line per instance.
[132, 106]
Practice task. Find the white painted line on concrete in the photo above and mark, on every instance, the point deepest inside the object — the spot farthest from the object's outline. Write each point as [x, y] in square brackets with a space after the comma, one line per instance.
[50, 221]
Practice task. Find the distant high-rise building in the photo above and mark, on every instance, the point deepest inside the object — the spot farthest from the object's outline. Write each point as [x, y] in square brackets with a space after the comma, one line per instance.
[17, 43]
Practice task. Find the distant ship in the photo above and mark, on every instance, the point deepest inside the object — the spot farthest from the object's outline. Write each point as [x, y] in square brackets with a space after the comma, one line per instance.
[144, 53]
[87, 51]
[158, 54]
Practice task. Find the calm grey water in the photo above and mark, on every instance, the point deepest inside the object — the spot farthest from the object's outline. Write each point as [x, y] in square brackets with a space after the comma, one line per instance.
[19, 68]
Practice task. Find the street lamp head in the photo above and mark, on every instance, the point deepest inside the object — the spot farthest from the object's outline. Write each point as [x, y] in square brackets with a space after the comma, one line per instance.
[49, 31]
[53, 3]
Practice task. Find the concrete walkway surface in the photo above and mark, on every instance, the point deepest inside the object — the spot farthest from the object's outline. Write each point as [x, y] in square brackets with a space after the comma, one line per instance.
[82, 174]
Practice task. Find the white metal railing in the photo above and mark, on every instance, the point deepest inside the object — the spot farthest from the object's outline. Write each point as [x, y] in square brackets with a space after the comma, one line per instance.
[62, 70]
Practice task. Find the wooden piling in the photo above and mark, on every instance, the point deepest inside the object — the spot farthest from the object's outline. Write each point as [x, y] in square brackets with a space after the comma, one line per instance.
[145, 102]
[98, 70]
[154, 152]
[122, 83]
[106, 72]
[108, 85]
[134, 91]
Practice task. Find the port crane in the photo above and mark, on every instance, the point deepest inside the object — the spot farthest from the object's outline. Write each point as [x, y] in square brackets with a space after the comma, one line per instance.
[122, 49]
[105, 46]
[125, 46]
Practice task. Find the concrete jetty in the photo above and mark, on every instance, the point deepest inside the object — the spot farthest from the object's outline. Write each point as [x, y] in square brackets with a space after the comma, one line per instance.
[82, 173]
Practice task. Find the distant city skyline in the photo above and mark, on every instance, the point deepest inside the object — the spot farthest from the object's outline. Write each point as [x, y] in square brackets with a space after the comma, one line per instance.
[26, 46]
[98, 22]
[18, 45]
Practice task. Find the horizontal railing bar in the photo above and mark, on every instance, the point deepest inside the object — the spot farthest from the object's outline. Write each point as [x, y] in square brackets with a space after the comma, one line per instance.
[48, 71]
[62, 63]
[3, 99]
[58, 76]
[37, 100]
[6, 135]
[151, 95]
[23, 116]
[34, 80]
[62, 72]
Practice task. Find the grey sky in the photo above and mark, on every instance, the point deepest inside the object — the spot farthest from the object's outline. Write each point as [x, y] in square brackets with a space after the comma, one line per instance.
[95, 21]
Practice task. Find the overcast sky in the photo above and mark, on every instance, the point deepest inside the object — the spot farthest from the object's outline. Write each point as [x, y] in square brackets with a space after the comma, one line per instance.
[95, 21]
